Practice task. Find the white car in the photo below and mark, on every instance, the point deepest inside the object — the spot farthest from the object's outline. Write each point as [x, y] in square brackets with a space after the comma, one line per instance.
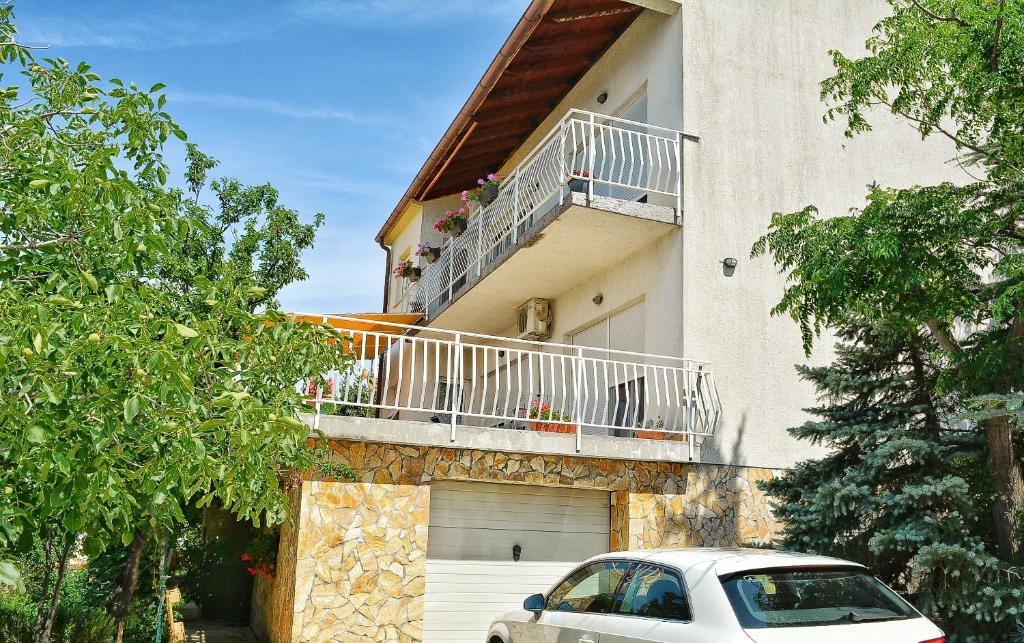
[716, 596]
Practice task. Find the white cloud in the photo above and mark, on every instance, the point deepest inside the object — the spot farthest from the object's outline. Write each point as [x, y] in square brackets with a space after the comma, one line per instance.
[271, 106]
[159, 31]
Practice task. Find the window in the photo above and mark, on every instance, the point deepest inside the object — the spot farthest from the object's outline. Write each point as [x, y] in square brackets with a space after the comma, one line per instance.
[809, 597]
[655, 593]
[589, 589]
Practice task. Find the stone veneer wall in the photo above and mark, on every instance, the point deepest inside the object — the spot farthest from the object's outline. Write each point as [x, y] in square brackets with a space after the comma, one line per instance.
[273, 600]
[360, 555]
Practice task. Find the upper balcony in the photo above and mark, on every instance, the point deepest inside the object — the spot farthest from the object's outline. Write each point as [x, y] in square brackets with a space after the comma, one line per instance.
[599, 186]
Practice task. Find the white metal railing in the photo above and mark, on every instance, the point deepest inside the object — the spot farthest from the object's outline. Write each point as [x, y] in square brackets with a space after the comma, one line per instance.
[429, 374]
[607, 156]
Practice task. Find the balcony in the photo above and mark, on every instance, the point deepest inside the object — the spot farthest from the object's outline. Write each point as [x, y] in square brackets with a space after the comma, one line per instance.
[462, 380]
[613, 186]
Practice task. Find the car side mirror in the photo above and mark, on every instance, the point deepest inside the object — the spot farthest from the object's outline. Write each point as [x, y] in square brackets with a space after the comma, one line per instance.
[534, 603]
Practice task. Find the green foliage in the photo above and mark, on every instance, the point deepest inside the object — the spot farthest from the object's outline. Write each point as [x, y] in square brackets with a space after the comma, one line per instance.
[266, 239]
[138, 381]
[900, 487]
[926, 284]
[946, 258]
[78, 619]
[328, 465]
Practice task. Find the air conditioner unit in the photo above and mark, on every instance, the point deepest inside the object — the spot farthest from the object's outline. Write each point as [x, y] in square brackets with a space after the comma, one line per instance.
[534, 319]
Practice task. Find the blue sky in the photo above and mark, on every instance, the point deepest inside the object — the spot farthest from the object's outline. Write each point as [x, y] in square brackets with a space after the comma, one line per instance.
[335, 102]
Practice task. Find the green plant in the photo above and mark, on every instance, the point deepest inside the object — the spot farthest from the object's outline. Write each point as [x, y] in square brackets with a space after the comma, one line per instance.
[543, 412]
[260, 556]
[146, 368]
[945, 258]
[328, 465]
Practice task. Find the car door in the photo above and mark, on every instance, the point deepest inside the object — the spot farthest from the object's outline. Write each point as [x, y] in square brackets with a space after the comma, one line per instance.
[653, 608]
[573, 609]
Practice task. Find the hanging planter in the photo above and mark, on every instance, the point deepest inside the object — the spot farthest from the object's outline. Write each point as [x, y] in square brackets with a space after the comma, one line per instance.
[453, 222]
[407, 270]
[486, 193]
[430, 253]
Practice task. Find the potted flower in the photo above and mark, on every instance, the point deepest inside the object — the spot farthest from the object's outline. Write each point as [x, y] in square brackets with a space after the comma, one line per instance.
[578, 180]
[311, 391]
[542, 418]
[651, 432]
[430, 253]
[407, 270]
[488, 190]
[453, 222]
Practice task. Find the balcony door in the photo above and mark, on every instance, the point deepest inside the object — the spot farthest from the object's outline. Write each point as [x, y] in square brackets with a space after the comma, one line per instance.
[613, 383]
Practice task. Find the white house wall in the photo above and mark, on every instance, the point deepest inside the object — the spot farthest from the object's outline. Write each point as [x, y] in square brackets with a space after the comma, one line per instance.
[751, 84]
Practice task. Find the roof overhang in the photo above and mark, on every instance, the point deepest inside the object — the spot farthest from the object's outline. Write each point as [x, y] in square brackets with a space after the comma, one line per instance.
[554, 44]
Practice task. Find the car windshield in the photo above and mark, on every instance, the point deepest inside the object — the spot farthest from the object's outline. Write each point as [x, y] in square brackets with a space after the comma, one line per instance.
[809, 597]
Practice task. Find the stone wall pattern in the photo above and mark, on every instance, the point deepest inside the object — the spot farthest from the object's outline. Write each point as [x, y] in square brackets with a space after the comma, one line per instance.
[360, 553]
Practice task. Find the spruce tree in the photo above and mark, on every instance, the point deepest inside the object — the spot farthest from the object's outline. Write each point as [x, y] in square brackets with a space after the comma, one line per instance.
[904, 485]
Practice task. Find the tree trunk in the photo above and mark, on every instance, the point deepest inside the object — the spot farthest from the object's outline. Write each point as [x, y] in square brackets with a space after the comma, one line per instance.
[62, 566]
[48, 563]
[1009, 483]
[126, 587]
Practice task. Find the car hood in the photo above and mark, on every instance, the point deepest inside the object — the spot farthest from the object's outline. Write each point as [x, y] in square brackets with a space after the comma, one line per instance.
[909, 631]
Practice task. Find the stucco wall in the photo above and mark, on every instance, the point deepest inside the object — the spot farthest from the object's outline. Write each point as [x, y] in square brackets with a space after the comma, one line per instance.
[360, 554]
[751, 92]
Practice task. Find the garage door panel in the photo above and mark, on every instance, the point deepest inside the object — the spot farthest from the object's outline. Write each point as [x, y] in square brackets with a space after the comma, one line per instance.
[471, 577]
[493, 544]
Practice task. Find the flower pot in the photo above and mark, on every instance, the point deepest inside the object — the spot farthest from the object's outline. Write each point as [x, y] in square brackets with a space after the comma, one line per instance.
[433, 254]
[415, 274]
[577, 185]
[552, 427]
[650, 435]
[488, 194]
[458, 227]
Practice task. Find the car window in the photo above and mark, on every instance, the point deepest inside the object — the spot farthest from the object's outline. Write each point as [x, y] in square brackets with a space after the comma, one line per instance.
[812, 597]
[655, 592]
[589, 589]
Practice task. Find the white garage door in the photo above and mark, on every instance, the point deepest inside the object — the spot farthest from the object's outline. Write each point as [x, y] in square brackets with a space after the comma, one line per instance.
[474, 526]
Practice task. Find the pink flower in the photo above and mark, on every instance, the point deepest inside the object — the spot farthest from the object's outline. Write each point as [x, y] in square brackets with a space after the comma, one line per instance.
[480, 181]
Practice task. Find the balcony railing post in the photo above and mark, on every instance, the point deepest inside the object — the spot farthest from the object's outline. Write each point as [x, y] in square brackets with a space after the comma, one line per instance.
[590, 159]
[515, 208]
[679, 177]
[479, 241]
[563, 168]
[319, 400]
[455, 388]
[577, 378]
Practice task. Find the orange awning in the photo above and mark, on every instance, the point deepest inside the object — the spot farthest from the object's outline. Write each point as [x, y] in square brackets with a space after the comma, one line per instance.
[372, 329]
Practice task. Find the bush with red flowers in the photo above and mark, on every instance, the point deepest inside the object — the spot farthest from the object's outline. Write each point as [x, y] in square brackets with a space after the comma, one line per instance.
[261, 554]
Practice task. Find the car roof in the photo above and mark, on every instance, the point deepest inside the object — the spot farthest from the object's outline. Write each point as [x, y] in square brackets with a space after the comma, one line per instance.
[729, 560]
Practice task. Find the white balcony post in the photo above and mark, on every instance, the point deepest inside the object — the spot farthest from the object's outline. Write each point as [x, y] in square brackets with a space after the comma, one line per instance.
[455, 394]
[319, 399]
[590, 160]
[564, 176]
[679, 177]
[515, 208]
[479, 241]
[577, 378]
